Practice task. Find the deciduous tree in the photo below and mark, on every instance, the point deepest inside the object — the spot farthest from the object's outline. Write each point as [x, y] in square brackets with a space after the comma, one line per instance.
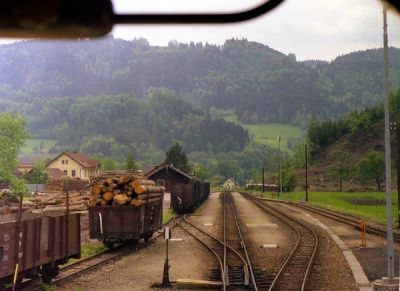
[13, 134]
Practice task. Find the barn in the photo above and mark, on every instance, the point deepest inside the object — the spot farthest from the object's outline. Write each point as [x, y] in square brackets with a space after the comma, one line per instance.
[168, 176]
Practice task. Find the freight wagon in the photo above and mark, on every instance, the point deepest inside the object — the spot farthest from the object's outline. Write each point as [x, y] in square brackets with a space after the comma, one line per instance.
[46, 242]
[187, 197]
[124, 224]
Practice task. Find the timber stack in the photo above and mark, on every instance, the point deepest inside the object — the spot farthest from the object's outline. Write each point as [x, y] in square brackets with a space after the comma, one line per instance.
[124, 188]
[45, 202]
[57, 201]
[67, 184]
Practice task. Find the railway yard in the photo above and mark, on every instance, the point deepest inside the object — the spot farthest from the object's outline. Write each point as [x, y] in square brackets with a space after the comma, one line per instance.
[236, 241]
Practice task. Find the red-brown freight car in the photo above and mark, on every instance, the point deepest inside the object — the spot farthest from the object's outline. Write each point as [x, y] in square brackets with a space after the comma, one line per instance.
[125, 224]
[45, 243]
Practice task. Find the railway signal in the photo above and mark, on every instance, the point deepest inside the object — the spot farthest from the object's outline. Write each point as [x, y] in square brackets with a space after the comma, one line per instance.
[165, 282]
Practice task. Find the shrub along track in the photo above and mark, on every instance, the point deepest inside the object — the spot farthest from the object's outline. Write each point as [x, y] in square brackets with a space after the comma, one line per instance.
[294, 272]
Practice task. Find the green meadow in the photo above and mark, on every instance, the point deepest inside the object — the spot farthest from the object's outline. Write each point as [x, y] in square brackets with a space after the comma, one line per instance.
[370, 206]
[267, 134]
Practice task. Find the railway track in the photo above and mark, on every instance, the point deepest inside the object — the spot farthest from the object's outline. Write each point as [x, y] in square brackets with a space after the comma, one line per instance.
[294, 272]
[84, 265]
[235, 270]
[234, 238]
[371, 228]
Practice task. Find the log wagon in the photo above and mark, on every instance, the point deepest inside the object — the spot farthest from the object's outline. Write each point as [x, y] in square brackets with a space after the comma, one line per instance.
[43, 242]
[124, 208]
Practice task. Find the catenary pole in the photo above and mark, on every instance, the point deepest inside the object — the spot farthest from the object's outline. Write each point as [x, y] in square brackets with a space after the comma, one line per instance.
[388, 184]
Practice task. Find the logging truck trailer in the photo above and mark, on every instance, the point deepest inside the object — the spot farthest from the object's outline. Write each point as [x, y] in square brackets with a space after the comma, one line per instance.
[39, 244]
[125, 224]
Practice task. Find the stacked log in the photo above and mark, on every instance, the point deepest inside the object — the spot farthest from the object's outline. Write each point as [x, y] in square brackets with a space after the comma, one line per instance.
[57, 201]
[124, 188]
[45, 202]
[67, 184]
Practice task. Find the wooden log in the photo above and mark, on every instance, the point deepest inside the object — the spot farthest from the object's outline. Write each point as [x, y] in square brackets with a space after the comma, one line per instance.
[148, 189]
[108, 196]
[96, 189]
[137, 202]
[121, 199]
[109, 181]
[151, 195]
[142, 182]
[116, 191]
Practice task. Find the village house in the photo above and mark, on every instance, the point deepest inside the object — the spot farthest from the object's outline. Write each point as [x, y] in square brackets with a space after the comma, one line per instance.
[74, 165]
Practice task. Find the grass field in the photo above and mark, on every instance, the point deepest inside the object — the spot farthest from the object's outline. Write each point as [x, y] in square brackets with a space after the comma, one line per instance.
[33, 146]
[370, 206]
[267, 134]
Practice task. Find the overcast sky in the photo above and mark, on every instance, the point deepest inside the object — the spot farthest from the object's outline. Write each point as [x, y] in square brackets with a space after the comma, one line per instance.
[311, 29]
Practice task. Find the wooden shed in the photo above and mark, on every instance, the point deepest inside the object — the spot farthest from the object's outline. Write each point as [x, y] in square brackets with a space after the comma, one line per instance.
[167, 175]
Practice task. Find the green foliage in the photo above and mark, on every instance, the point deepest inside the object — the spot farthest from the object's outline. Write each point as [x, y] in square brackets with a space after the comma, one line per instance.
[258, 83]
[341, 169]
[289, 180]
[339, 202]
[372, 167]
[130, 162]
[177, 157]
[201, 172]
[228, 169]
[38, 175]
[13, 134]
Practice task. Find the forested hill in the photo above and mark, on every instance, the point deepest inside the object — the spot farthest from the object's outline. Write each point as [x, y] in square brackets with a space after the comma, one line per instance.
[260, 84]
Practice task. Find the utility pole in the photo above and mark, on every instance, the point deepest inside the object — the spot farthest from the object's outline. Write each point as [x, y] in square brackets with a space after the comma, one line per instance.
[279, 169]
[394, 127]
[306, 161]
[388, 185]
[263, 187]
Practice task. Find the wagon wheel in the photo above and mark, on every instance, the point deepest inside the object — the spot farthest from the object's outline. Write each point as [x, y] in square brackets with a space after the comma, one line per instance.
[108, 244]
[49, 271]
[148, 236]
[132, 243]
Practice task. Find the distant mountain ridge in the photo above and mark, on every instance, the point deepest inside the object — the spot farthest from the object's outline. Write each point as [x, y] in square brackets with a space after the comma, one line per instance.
[260, 84]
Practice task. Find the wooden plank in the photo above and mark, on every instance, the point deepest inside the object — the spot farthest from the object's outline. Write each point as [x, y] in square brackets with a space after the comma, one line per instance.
[201, 284]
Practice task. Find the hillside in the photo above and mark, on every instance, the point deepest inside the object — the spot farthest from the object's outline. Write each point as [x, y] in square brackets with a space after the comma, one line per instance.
[357, 144]
[258, 83]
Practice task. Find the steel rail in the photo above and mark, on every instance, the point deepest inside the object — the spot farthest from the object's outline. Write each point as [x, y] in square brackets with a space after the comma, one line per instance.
[249, 266]
[209, 248]
[218, 240]
[278, 214]
[226, 270]
[371, 228]
[124, 250]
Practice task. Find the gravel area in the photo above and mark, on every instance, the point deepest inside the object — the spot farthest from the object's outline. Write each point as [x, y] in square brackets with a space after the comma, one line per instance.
[330, 270]
[372, 258]
[144, 268]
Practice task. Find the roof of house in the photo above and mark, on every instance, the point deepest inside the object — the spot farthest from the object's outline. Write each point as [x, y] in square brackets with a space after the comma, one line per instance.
[82, 159]
[32, 159]
[162, 166]
[55, 173]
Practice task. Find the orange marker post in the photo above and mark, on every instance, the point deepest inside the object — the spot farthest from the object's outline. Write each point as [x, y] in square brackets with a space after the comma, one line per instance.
[363, 229]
